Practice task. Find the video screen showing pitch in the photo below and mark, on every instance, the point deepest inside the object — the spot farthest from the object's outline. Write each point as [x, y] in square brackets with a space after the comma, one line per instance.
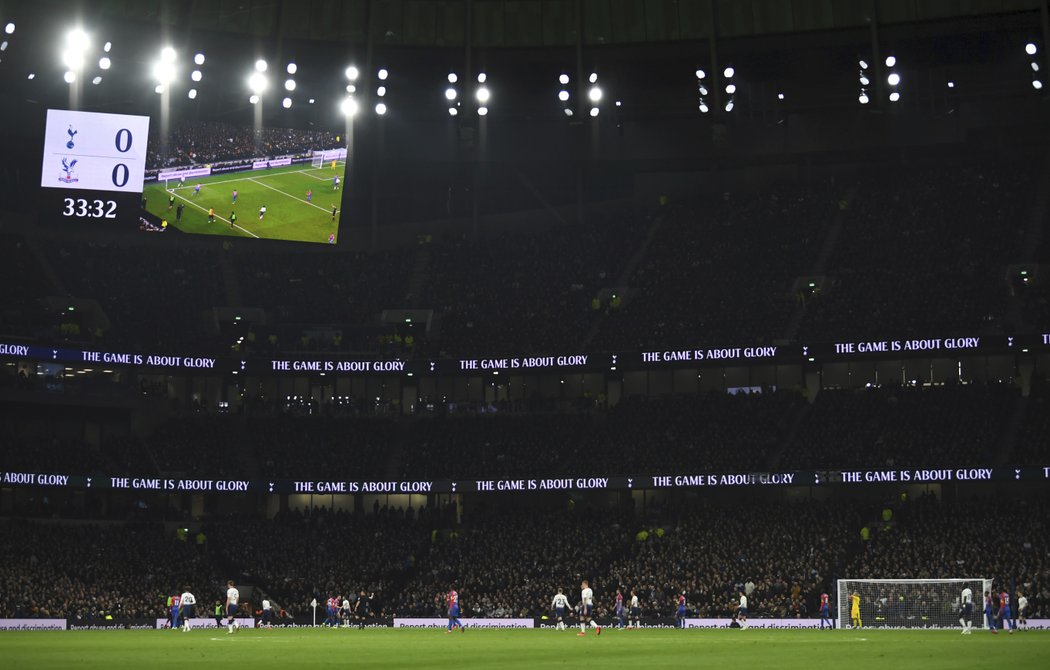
[220, 178]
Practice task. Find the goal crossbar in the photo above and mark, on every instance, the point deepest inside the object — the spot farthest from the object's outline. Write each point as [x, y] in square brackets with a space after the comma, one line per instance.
[933, 604]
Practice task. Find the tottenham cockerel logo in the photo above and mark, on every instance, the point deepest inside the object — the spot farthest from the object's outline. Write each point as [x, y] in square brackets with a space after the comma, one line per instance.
[67, 167]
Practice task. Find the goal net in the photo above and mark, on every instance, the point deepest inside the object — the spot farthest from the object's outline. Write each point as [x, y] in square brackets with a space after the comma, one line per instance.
[323, 158]
[912, 603]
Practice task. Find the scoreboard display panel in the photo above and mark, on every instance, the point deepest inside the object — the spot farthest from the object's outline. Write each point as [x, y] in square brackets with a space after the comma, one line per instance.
[93, 166]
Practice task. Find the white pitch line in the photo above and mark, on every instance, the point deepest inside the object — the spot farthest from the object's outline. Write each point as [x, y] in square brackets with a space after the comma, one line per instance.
[216, 216]
[307, 173]
[288, 194]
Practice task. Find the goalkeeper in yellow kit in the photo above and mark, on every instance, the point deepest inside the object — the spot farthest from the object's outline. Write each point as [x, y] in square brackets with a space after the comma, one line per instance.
[854, 610]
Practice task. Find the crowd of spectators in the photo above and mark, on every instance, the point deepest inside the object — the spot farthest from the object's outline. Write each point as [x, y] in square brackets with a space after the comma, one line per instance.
[903, 427]
[722, 272]
[205, 142]
[923, 252]
[88, 572]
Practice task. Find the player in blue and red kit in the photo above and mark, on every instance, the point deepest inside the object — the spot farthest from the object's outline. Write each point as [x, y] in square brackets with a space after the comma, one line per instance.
[988, 615]
[176, 606]
[824, 612]
[453, 611]
[619, 609]
[679, 617]
[1004, 611]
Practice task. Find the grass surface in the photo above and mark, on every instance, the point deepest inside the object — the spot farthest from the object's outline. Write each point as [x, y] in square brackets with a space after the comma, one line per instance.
[283, 190]
[513, 649]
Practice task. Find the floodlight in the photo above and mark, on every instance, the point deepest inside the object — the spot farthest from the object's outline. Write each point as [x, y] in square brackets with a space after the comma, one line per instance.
[292, 68]
[257, 82]
[895, 96]
[729, 106]
[863, 64]
[1029, 48]
[595, 94]
[700, 74]
[254, 99]
[563, 79]
[70, 76]
[731, 89]
[286, 103]
[482, 95]
[729, 72]
[107, 46]
[863, 98]
[704, 109]
[1036, 84]
[192, 94]
[97, 80]
[452, 78]
[380, 109]
[893, 79]
[482, 77]
[348, 106]
[382, 74]
[163, 72]
[196, 75]
[351, 73]
[891, 61]
[482, 111]
[104, 63]
[199, 59]
[167, 55]
[450, 93]
[381, 91]
[452, 111]
[9, 28]
[594, 111]
[568, 112]
[289, 85]
[260, 65]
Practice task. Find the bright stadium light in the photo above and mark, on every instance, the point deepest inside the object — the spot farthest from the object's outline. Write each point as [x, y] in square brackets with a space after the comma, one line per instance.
[192, 94]
[568, 112]
[1029, 48]
[729, 106]
[729, 72]
[70, 76]
[482, 95]
[167, 55]
[482, 77]
[1036, 84]
[77, 39]
[351, 73]
[893, 79]
[700, 74]
[97, 80]
[450, 93]
[199, 59]
[107, 46]
[1035, 66]
[593, 78]
[196, 75]
[563, 96]
[703, 90]
[286, 103]
[704, 109]
[104, 63]
[452, 78]
[382, 74]
[863, 98]
[594, 111]
[9, 29]
[163, 72]
[452, 111]
[381, 91]
[31, 76]
[951, 84]
[350, 88]
[891, 61]
[863, 64]
[595, 94]
[289, 85]
[563, 79]
[731, 89]
[257, 82]
[159, 89]
[254, 99]
[348, 106]
[3, 45]
[380, 109]
[780, 96]
[895, 96]
[482, 111]
[260, 65]
[292, 68]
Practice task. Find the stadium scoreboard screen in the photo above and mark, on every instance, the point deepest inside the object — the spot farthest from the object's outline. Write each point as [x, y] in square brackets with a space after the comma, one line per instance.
[93, 166]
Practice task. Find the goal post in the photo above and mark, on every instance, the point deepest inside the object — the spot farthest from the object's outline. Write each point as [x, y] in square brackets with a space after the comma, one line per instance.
[320, 159]
[934, 604]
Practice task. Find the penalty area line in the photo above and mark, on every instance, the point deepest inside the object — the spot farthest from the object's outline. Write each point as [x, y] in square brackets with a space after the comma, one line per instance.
[216, 216]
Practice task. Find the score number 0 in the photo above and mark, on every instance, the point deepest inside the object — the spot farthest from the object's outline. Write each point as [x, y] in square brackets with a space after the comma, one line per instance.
[120, 170]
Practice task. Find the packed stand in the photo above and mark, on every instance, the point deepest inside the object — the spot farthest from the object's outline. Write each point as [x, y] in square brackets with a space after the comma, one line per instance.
[528, 293]
[88, 572]
[923, 253]
[903, 427]
[1033, 440]
[711, 432]
[311, 447]
[206, 142]
[721, 273]
[22, 312]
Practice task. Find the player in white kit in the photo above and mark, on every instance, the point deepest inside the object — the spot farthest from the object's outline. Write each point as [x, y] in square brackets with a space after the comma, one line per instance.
[232, 598]
[587, 610]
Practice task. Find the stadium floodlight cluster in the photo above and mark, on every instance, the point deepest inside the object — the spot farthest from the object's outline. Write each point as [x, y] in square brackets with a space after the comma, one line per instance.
[382, 74]
[482, 94]
[164, 70]
[893, 79]
[289, 84]
[728, 74]
[452, 94]
[349, 104]
[257, 81]
[702, 92]
[1031, 49]
[196, 75]
[564, 95]
[594, 94]
[865, 82]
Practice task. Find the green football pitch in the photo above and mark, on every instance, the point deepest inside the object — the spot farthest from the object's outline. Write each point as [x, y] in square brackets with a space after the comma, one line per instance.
[514, 649]
[282, 190]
